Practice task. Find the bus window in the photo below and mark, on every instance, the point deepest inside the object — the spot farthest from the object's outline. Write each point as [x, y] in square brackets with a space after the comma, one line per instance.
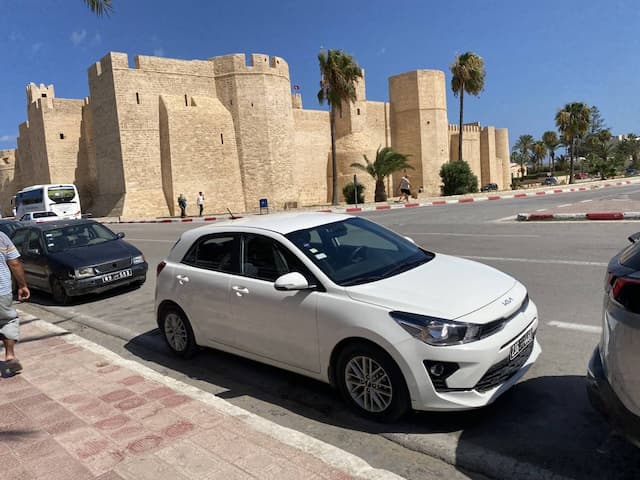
[61, 194]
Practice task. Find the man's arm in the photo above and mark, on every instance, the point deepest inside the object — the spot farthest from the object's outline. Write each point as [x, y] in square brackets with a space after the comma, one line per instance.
[18, 272]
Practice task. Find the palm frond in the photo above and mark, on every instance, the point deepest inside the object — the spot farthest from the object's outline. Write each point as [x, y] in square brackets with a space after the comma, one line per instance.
[100, 7]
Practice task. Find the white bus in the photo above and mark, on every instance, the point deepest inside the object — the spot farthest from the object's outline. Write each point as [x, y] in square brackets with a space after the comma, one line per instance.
[61, 199]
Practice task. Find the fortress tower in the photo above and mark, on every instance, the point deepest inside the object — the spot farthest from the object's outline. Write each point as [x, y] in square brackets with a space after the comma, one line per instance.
[419, 126]
[258, 95]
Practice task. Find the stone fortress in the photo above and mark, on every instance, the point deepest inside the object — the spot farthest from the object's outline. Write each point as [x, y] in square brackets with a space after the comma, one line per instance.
[233, 130]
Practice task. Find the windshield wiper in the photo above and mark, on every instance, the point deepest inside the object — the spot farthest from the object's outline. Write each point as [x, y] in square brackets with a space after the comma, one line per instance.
[404, 267]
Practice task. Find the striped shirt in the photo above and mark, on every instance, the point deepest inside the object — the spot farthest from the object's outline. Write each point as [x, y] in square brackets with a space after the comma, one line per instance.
[7, 252]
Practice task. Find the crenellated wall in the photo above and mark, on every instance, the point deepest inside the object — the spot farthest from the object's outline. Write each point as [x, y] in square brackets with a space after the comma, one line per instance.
[7, 175]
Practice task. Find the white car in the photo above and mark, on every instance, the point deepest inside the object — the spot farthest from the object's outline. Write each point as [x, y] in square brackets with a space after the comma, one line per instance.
[39, 217]
[348, 302]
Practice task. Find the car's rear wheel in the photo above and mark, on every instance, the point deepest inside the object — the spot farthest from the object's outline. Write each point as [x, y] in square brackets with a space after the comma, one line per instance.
[58, 292]
[371, 382]
[177, 332]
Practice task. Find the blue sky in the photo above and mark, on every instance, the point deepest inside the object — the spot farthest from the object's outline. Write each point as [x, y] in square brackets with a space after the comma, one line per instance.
[538, 55]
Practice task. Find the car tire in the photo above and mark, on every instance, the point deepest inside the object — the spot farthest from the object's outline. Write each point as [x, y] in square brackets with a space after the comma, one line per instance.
[384, 397]
[58, 292]
[177, 332]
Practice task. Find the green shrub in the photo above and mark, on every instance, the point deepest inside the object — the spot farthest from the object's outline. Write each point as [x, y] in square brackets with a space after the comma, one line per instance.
[349, 193]
[458, 179]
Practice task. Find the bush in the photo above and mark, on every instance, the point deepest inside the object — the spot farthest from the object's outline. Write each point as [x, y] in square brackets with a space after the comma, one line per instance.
[349, 193]
[458, 179]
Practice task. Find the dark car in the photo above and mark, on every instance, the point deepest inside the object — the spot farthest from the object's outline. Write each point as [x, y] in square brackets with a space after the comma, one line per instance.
[9, 226]
[74, 257]
[489, 187]
[613, 381]
[550, 181]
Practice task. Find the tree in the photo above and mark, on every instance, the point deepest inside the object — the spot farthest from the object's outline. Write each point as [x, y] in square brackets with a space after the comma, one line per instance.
[573, 123]
[538, 152]
[522, 150]
[630, 148]
[338, 75]
[551, 141]
[468, 76]
[458, 179]
[596, 121]
[99, 7]
[601, 154]
[387, 162]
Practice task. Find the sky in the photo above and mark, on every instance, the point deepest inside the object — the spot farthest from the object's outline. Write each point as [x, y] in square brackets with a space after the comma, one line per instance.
[538, 55]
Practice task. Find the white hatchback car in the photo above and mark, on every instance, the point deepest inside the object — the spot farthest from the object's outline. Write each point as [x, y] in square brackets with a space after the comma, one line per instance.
[346, 301]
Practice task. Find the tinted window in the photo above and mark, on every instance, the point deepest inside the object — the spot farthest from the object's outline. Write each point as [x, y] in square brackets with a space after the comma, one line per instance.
[8, 228]
[630, 257]
[214, 252]
[34, 241]
[61, 194]
[266, 259]
[44, 214]
[29, 198]
[74, 236]
[20, 239]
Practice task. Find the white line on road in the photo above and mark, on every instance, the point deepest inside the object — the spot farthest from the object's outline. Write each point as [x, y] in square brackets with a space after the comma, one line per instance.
[586, 201]
[541, 210]
[471, 234]
[576, 326]
[565, 205]
[150, 240]
[549, 261]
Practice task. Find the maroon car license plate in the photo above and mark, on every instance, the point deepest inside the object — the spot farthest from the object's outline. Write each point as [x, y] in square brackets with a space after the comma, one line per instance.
[112, 277]
[521, 344]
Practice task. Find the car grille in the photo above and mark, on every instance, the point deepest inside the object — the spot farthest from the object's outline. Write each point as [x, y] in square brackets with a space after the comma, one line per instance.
[504, 370]
[497, 325]
[113, 265]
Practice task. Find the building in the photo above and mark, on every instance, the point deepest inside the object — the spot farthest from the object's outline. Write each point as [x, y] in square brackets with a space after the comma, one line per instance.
[232, 129]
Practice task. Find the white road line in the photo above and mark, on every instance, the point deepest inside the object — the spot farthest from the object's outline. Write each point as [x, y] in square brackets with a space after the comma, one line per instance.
[576, 326]
[549, 261]
[565, 205]
[471, 235]
[586, 201]
[541, 210]
[150, 240]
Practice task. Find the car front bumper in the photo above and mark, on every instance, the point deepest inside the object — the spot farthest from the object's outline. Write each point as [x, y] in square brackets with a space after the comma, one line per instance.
[99, 283]
[604, 400]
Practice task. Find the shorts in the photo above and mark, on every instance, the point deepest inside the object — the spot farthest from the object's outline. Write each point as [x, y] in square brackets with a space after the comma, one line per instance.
[9, 323]
[406, 191]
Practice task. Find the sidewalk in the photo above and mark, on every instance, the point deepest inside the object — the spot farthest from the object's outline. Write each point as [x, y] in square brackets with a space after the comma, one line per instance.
[622, 208]
[79, 411]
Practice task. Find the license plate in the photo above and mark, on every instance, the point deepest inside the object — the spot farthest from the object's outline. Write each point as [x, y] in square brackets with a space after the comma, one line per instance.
[518, 347]
[116, 276]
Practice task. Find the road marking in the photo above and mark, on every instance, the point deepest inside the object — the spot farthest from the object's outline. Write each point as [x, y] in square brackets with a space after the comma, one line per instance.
[576, 326]
[149, 240]
[565, 205]
[586, 201]
[541, 210]
[471, 234]
[549, 261]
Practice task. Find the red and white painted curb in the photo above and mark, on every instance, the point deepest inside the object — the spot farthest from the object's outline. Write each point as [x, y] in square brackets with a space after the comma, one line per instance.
[393, 206]
[542, 217]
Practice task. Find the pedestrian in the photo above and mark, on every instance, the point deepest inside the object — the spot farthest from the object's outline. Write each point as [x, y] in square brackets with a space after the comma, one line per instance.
[9, 323]
[405, 187]
[200, 202]
[182, 203]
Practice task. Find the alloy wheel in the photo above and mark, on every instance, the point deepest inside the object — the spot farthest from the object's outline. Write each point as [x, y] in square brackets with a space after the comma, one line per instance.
[368, 384]
[175, 332]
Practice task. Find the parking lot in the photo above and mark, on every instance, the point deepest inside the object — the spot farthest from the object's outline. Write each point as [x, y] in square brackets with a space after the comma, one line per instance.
[543, 428]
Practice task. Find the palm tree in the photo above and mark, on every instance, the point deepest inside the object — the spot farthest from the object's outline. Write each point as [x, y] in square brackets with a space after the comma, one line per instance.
[539, 151]
[630, 147]
[551, 141]
[601, 152]
[573, 122]
[522, 149]
[338, 75]
[468, 76]
[99, 7]
[387, 162]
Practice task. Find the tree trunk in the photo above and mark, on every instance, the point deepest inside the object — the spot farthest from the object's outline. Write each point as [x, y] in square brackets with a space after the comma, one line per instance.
[461, 117]
[573, 148]
[334, 160]
[552, 161]
[381, 193]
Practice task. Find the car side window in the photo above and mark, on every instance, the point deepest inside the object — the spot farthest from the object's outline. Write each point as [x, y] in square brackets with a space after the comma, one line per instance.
[20, 240]
[266, 259]
[34, 241]
[215, 252]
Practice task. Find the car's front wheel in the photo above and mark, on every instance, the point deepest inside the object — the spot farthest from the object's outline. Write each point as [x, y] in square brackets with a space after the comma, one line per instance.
[177, 332]
[58, 292]
[371, 382]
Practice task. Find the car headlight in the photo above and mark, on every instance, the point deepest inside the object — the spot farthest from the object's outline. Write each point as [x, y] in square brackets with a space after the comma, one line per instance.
[138, 259]
[437, 331]
[84, 272]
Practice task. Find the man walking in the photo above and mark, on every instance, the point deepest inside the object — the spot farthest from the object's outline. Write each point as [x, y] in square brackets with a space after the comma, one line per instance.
[182, 203]
[405, 187]
[9, 324]
[200, 202]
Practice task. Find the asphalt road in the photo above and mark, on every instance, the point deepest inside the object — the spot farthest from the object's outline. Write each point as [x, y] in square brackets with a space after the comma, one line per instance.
[542, 428]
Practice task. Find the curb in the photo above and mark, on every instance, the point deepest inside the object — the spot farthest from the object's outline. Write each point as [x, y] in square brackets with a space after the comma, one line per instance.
[327, 453]
[374, 207]
[541, 217]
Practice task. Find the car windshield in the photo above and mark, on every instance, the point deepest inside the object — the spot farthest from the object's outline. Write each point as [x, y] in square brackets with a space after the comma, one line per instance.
[74, 236]
[356, 251]
[8, 228]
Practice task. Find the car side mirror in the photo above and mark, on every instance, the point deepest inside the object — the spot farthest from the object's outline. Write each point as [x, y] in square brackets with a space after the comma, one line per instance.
[635, 237]
[410, 239]
[120, 234]
[292, 281]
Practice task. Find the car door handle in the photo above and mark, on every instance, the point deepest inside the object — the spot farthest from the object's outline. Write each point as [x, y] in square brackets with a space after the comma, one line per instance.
[182, 279]
[240, 290]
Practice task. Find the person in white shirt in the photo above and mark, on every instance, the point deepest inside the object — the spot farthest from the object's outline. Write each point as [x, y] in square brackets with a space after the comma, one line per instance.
[405, 188]
[200, 202]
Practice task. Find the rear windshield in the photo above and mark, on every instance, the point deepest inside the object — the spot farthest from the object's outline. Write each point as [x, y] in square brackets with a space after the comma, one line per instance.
[630, 257]
[61, 194]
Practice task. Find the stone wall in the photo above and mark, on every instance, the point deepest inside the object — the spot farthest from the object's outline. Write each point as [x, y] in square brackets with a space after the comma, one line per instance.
[7, 171]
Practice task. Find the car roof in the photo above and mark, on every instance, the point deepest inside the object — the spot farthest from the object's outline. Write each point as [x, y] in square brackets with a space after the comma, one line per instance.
[51, 225]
